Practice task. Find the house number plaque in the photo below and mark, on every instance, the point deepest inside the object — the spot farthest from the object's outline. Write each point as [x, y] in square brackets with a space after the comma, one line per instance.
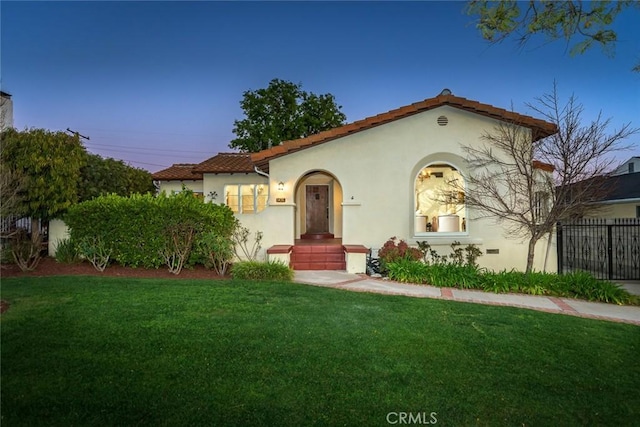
[281, 200]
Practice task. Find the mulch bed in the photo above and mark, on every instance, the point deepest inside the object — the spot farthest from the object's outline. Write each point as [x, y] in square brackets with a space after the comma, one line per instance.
[50, 267]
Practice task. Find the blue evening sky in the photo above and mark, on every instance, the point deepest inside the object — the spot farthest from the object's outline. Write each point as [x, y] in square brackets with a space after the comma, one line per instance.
[156, 83]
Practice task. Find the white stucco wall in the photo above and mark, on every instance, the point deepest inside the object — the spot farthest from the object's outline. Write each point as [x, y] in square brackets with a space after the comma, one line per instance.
[616, 210]
[376, 170]
[268, 219]
[371, 175]
[176, 186]
[58, 231]
[6, 112]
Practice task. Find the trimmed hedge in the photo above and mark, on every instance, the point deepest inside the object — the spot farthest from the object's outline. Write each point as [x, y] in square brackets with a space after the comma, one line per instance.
[147, 231]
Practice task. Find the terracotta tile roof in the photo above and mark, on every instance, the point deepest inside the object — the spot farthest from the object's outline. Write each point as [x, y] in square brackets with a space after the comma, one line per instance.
[547, 167]
[226, 163]
[177, 172]
[539, 127]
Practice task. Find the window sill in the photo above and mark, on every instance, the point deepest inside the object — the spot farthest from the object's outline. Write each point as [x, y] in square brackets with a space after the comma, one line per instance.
[440, 239]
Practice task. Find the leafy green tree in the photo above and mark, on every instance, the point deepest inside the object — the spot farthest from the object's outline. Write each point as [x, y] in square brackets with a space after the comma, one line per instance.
[101, 176]
[49, 163]
[11, 185]
[590, 22]
[282, 112]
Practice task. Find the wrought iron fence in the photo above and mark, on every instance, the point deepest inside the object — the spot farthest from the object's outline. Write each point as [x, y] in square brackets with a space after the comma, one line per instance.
[607, 248]
[12, 224]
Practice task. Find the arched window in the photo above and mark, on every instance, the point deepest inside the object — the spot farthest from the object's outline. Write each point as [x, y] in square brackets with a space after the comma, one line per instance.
[439, 200]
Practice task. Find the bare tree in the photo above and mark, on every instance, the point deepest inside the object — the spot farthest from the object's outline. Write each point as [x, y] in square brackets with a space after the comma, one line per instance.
[529, 186]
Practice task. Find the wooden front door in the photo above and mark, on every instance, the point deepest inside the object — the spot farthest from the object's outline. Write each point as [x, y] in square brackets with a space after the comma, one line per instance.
[317, 209]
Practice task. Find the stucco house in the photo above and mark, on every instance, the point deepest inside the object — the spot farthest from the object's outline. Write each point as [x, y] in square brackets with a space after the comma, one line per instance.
[623, 197]
[6, 111]
[324, 200]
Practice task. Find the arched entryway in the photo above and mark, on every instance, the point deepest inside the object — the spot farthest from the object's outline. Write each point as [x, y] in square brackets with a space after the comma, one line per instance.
[318, 206]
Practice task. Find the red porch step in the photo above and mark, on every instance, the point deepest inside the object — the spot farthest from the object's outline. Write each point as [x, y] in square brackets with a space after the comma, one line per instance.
[318, 257]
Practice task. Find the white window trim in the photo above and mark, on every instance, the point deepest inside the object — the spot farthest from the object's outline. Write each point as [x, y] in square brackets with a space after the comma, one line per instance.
[239, 195]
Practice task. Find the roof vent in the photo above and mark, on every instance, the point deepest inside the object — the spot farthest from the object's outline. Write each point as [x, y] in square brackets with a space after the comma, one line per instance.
[445, 91]
[443, 120]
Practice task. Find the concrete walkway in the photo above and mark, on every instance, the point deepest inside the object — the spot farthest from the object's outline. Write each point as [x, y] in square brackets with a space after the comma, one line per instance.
[574, 307]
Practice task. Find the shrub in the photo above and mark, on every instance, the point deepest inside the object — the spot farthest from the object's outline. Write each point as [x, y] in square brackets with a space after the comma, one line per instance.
[406, 270]
[215, 251]
[430, 255]
[254, 270]
[67, 252]
[472, 253]
[148, 231]
[583, 285]
[129, 226]
[441, 275]
[242, 247]
[514, 281]
[26, 251]
[96, 251]
[392, 251]
[459, 256]
[451, 274]
[6, 255]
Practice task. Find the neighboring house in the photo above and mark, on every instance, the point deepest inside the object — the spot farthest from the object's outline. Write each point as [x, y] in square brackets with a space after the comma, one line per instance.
[623, 198]
[6, 111]
[630, 166]
[367, 181]
[179, 175]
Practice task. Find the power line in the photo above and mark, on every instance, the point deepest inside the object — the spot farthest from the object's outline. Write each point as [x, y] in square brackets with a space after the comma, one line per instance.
[143, 163]
[147, 148]
[147, 153]
[145, 131]
[138, 162]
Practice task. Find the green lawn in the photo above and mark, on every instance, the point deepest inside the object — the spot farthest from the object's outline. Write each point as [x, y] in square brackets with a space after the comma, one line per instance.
[114, 351]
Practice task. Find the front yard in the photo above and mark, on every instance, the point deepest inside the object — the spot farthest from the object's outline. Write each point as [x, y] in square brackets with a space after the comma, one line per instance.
[120, 351]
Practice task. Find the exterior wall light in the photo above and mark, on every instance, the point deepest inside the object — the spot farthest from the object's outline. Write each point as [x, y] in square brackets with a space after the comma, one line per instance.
[281, 186]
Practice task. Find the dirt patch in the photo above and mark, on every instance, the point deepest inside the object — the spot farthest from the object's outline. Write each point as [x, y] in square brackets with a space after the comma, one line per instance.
[50, 267]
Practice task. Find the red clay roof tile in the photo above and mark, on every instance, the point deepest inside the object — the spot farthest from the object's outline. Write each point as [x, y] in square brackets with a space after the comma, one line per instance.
[547, 167]
[226, 163]
[177, 172]
[539, 127]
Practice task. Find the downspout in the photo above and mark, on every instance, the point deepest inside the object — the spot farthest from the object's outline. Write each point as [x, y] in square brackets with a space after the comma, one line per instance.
[259, 172]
